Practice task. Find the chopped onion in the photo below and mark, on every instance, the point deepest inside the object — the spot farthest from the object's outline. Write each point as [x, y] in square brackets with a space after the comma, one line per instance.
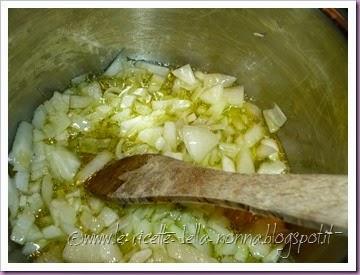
[91, 222]
[95, 204]
[150, 135]
[63, 163]
[185, 74]
[92, 253]
[170, 134]
[94, 165]
[187, 254]
[212, 95]
[272, 167]
[267, 148]
[22, 181]
[21, 153]
[108, 216]
[234, 95]
[127, 101]
[22, 226]
[274, 118]
[35, 202]
[51, 232]
[30, 248]
[244, 162]
[62, 212]
[39, 117]
[13, 198]
[178, 156]
[47, 189]
[215, 79]
[141, 256]
[92, 89]
[228, 165]
[77, 101]
[155, 69]
[199, 141]
[254, 135]
[117, 65]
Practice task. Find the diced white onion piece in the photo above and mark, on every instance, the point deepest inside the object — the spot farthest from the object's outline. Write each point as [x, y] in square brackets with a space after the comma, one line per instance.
[63, 163]
[22, 226]
[118, 150]
[185, 74]
[212, 95]
[141, 256]
[34, 187]
[217, 109]
[254, 135]
[120, 116]
[274, 118]
[273, 256]
[252, 109]
[242, 253]
[266, 148]
[21, 153]
[142, 109]
[90, 222]
[160, 144]
[215, 79]
[95, 204]
[59, 103]
[108, 216]
[259, 250]
[47, 189]
[51, 232]
[155, 69]
[92, 253]
[57, 124]
[139, 123]
[39, 117]
[155, 83]
[229, 149]
[187, 254]
[150, 135]
[127, 101]
[244, 162]
[13, 198]
[79, 102]
[69, 228]
[62, 212]
[22, 201]
[22, 181]
[34, 234]
[228, 165]
[234, 95]
[35, 202]
[92, 89]
[178, 156]
[170, 134]
[199, 75]
[30, 248]
[272, 167]
[199, 141]
[117, 65]
[80, 123]
[94, 165]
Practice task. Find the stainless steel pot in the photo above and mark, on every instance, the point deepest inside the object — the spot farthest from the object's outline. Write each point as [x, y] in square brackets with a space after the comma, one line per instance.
[294, 57]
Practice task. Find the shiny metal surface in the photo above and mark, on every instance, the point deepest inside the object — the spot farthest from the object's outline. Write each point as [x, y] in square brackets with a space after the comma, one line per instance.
[300, 63]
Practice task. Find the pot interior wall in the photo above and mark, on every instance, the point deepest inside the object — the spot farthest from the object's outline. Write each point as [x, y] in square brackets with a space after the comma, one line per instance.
[299, 62]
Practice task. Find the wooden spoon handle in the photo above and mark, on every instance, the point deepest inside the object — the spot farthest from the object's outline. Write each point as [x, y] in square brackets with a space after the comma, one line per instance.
[306, 200]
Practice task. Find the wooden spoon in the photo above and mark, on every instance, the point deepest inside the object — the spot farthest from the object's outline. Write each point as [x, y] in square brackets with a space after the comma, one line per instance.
[306, 200]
